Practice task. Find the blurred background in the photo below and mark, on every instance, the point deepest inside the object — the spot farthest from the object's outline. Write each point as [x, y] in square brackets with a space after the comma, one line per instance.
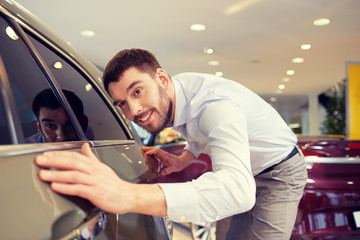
[293, 53]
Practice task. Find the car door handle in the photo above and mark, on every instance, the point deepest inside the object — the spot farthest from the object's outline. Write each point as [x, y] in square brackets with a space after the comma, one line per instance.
[86, 230]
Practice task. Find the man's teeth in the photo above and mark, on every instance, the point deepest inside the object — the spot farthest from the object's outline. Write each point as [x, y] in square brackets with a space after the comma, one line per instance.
[145, 118]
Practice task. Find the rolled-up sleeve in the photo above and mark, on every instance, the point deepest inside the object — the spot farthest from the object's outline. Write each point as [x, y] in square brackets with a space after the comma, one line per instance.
[230, 188]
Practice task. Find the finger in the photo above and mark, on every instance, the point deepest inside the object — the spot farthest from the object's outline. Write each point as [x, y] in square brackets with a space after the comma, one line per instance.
[159, 154]
[70, 163]
[147, 148]
[71, 189]
[72, 177]
[86, 150]
[167, 171]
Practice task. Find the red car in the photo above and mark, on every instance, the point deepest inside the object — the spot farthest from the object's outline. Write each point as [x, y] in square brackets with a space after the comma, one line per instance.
[330, 206]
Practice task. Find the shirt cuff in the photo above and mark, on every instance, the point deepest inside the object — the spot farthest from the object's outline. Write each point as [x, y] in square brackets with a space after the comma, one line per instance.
[179, 196]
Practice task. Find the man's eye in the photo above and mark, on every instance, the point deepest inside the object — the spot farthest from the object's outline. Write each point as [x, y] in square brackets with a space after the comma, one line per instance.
[122, 104]
[50, 126]
[138, 91]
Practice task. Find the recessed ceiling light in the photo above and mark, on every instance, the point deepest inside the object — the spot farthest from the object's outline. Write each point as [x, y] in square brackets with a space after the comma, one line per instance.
[281, 86]
[321, 22]
[198, 27]
[297, 60]
[219, 74]
[11, 34]
[208, 50]
[88, 87]
[278, 91]
[290, 72]
[305, 46]
[58, 65]
[286, 79]
[88, 33]
[213, 63]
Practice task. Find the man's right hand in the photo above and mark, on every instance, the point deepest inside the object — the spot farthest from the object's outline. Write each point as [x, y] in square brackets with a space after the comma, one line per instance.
[154, 157]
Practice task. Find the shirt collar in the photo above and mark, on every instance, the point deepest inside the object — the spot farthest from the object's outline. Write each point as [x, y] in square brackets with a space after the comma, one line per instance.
[181, 104]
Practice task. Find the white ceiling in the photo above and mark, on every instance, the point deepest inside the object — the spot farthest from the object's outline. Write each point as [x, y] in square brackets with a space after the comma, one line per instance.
[254, 40]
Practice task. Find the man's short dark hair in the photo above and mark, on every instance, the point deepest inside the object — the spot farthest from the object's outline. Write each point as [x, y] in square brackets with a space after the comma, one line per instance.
[47, 99]
[142, 60]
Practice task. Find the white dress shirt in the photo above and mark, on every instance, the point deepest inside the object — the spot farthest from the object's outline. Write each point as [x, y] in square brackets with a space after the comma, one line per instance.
[241, 133]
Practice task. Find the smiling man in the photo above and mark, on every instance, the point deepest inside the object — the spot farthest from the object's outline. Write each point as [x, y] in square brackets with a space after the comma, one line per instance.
[258, 172]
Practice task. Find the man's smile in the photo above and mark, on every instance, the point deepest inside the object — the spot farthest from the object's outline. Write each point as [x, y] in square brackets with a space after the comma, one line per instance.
[145, 118]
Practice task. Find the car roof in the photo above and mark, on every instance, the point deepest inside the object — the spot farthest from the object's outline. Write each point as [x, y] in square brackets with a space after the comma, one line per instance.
[26, 18]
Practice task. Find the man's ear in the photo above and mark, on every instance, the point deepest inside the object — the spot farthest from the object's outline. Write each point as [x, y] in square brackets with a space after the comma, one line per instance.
[163, 77]
[38, 125]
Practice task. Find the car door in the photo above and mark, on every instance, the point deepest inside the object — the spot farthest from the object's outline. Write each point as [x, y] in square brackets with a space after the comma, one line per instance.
[28, 207]
[106, 130]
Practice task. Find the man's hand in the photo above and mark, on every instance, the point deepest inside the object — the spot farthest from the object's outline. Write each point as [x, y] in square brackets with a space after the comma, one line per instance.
[83, 175]
[155, 157]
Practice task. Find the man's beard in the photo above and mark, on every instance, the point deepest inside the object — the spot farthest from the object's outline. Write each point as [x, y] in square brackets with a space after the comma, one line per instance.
[164, 119]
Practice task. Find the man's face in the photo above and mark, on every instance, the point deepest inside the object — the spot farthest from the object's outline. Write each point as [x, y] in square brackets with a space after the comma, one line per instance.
[143, 99]
[55, 126]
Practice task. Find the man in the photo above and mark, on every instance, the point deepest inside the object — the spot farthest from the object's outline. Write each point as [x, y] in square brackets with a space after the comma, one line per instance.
[253, 153]
[52, 122]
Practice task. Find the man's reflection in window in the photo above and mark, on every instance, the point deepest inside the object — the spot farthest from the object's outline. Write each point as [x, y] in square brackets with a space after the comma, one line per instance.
[51, 120]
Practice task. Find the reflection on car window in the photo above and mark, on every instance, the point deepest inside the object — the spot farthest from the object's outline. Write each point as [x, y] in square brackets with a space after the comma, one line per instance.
[166, 136]
[25, 78]
[101, 120]
[51, 120]
[4, 129]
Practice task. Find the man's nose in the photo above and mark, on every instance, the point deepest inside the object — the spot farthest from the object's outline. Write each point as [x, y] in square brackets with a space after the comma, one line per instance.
[135, 108]
[60, 136]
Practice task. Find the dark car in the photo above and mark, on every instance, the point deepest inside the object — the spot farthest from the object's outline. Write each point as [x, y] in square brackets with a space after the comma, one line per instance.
[51, 98]
[330, 206]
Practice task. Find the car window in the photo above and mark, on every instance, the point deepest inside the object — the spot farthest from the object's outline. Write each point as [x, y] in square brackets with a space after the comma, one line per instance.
[166, 136]
[102, 124]
[26, 82]
[4, 129]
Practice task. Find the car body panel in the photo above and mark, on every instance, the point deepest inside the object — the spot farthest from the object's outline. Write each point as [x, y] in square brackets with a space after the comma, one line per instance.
[42, 206]
[30, 208]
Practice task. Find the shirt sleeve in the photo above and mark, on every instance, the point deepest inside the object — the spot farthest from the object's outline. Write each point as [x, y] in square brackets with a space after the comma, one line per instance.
[230, 188]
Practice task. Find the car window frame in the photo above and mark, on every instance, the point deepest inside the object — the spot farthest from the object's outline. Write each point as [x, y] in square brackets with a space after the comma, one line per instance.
[116, 112]
[22, 29]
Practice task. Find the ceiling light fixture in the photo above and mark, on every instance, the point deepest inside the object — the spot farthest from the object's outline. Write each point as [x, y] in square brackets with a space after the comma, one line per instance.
[87, 33]
[213, 63]
[198, 27]
[290, 72]
[281, 86]
[321, 22]
[11, 34]
[286, 79]
[305, 46]
[208, 50]
[219, 74]
[88, 87]
[297, 60]
[58, 65]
